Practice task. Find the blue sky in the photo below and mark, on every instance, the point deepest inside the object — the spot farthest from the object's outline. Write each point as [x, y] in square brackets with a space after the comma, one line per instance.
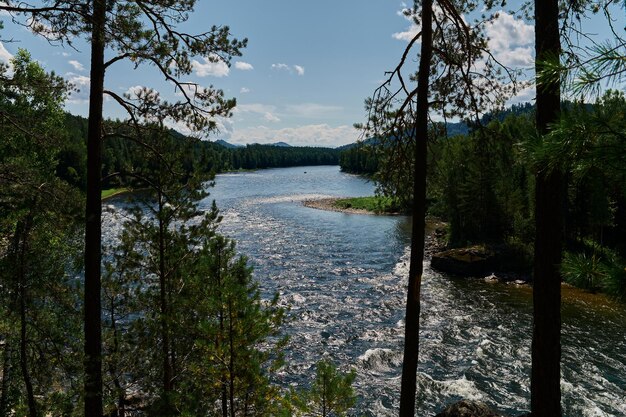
[304, 75]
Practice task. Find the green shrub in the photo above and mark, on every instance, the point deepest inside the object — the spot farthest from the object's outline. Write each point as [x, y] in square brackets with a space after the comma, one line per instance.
[615, 280]
[584, 271]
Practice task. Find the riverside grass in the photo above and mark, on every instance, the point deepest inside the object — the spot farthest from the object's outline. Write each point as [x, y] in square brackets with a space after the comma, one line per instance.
[375, 204]
[112, 192]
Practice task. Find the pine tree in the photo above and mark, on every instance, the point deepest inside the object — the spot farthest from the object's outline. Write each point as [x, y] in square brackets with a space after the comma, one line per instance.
[39, 228]
[144, 33]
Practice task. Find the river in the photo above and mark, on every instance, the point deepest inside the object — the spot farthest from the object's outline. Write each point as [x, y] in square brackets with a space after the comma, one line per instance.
[344, 275]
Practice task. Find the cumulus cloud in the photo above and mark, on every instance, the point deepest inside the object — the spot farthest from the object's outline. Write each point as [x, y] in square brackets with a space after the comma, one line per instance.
[307, 135]
[267, 111]
[298, 69]
[411, 31]
[243, 66]
[244, 90]
[134, 90]
[280, 67]
[81, 84]
[5, 56]
[511, 40]
[212, 66]
[77, 65]
[271, 117]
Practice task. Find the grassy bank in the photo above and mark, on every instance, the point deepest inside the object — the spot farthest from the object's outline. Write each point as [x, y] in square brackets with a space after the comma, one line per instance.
[375, 204]
[112, 192]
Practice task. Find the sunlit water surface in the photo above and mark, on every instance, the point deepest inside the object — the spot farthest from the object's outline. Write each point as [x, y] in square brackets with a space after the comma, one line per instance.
[344, 275]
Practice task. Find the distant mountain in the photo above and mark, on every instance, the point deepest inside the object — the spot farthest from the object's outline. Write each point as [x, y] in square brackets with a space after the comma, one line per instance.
[458, 128]
[368, 141]
[283, 144]
[226, 144]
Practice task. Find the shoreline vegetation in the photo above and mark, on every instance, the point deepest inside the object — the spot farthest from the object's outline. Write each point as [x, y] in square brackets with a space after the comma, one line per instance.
[114, 192]
[435, 245]
[372, 205]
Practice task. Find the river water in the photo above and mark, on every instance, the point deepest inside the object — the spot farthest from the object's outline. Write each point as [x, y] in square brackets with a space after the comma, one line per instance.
[344, 275]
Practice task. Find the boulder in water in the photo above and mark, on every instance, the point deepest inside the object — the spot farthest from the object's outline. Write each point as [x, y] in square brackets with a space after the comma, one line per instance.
[470, 261]
[466, 408]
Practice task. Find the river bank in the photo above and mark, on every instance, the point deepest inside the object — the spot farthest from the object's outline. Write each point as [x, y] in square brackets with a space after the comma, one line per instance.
[374, 205]
[329, 204]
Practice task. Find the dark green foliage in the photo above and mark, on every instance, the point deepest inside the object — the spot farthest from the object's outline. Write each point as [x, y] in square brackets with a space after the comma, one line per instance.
[481, 185]
[39, 313]
[186, 329]
[359, 159]
[596, 269]
[330, 394]
[271, 156]
[123, 157]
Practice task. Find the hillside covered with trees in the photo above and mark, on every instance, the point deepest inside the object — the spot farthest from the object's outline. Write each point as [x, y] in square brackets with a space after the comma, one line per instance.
[122, 157]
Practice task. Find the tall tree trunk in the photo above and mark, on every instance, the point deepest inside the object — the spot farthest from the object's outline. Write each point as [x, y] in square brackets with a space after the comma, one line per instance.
[411, 332]
[546, 344]
[165, 332]
[113, 372]
[6, 377]
[220, 335]
[93, 216]
[231, 361]
[21, 238]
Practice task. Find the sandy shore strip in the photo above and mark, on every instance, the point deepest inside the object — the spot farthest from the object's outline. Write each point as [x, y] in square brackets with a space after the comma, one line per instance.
[329, 205]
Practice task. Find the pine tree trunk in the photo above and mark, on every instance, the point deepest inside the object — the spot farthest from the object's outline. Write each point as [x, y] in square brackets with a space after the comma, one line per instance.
[411, 333]
[165, 333]
[21, 238]
[6, 378]
[231, 362]
[546, 344]
[220, 335]
[93, 217]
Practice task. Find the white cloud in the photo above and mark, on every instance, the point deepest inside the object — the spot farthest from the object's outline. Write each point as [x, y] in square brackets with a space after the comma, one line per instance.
[243, 66]
[298, 69]
[134, 91]
[271, 117]
[267, 111]
[308, 135]
[77, 65]
[511, 40]
[81, 83]
[212, 66]
[255, 108]
[244, 90]
[408, 34]
[311, 109]
[5, 56]
[280, 67]
[519, 57]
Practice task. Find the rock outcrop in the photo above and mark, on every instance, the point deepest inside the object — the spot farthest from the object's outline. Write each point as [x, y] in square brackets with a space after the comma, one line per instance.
[474, 261]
